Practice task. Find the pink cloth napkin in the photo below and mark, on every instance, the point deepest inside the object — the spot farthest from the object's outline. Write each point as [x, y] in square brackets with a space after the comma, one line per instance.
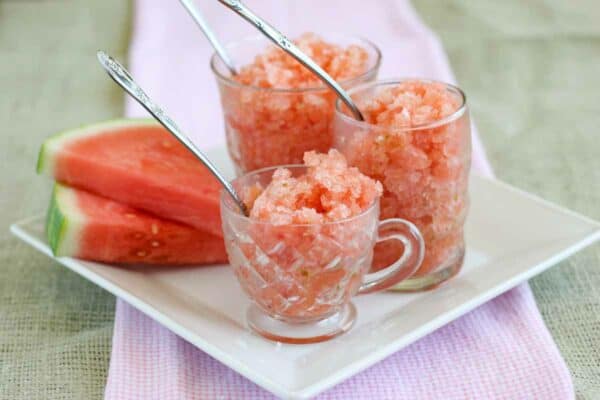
[502, 350]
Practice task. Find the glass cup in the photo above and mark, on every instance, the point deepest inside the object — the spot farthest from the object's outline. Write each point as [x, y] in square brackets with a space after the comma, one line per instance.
[424, 171]
[267, 127]
[301, 278]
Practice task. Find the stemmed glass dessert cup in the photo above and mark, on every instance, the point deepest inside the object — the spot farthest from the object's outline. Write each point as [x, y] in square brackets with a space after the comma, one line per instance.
[301, 277]
[268, 126]
[424, 170]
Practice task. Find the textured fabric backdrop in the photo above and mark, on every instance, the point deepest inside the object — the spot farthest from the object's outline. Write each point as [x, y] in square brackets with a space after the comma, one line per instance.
[530, 70]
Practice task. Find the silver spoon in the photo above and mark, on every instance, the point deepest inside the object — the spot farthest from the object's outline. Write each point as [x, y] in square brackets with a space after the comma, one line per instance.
[120, 75]
[289, 47]
[197, 16]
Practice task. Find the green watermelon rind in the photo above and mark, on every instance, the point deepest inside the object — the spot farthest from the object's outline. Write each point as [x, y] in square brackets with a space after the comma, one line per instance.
[64, 222]
[56, 224]
[52, 145]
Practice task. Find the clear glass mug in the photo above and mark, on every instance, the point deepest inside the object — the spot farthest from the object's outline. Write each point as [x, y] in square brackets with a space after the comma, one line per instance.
[424, 171]
[268, 127]
[301, 278]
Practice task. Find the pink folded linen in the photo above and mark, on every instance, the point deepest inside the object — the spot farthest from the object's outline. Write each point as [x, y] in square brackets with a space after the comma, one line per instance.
[502, 350]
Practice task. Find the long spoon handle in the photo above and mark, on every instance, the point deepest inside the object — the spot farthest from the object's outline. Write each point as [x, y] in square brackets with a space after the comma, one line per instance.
[200, 21]
[120, 75]
[289, 47]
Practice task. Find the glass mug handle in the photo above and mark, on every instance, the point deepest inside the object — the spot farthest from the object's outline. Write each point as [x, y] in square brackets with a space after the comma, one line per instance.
[406, 265]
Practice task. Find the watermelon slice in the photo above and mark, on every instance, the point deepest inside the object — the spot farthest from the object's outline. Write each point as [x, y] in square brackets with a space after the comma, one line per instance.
[83, 225]
[137, 163]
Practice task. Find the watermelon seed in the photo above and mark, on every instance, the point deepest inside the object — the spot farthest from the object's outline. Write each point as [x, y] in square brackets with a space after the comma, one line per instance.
[141, 253]
[130, 215]
[154, 229]
[138, 235]
[167, 144]
[155, 243]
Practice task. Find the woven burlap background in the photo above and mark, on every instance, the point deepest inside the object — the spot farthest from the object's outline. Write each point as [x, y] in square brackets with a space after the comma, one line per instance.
[530, 70]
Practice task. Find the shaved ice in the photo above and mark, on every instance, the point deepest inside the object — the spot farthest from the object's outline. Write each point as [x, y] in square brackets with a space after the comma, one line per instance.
[276, 109]
[417, 144]
[327, 192]
[309, 239]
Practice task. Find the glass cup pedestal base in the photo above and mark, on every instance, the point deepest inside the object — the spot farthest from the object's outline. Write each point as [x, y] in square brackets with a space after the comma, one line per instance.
[301, 333]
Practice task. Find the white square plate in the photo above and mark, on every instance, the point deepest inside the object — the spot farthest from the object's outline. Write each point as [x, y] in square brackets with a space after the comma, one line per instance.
[511, 236]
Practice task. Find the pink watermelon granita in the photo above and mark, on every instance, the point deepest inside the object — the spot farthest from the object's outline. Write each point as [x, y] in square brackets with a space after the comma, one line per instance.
[276, 109]
[309, 239]
[276, 69]
[328, 192]
[416, 141]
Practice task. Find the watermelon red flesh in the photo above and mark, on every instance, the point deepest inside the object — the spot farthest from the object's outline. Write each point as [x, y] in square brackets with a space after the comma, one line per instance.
[138, 163]
[83, 225]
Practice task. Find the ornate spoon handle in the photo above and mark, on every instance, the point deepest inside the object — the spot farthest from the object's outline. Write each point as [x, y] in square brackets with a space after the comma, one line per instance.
[288, 46]
[120, 75]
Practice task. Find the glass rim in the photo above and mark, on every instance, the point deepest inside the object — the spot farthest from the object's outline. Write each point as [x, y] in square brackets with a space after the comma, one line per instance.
[229, 206]
[255, 38]
[395, 81]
